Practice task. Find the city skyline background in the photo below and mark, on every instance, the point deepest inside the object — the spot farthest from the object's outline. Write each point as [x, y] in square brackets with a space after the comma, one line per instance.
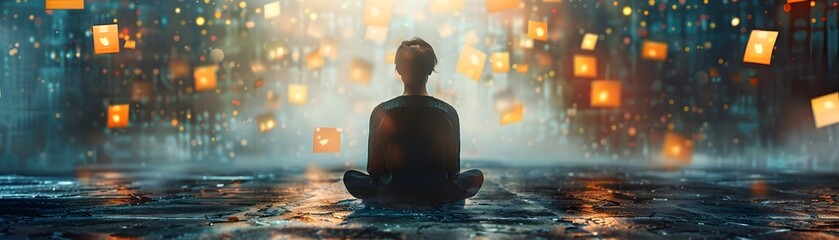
[55, 92]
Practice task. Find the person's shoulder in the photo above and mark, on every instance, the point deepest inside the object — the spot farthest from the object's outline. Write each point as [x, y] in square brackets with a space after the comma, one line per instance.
[386, 105]
[448, 108]
[444, 104]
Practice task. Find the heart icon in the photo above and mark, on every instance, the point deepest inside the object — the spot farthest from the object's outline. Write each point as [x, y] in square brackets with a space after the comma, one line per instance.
[104, 41]
[323, 142]
[758, 48]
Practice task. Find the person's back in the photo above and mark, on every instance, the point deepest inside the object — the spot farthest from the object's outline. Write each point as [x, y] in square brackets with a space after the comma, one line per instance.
[414, 142]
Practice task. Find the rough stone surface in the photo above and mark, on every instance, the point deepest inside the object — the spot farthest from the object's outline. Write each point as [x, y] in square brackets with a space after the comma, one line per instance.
[524, 202]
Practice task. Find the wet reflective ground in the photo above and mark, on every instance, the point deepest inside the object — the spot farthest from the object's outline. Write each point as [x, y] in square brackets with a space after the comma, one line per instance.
[549, 202]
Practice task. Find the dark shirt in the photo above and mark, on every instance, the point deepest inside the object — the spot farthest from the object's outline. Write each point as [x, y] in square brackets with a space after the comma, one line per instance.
[415, 166]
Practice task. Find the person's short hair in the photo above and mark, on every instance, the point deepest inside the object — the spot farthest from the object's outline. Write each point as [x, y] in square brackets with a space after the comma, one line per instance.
[424, 59]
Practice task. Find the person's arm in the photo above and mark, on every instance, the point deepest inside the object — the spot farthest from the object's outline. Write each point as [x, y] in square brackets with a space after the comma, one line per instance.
[453, 163]
[375, 160]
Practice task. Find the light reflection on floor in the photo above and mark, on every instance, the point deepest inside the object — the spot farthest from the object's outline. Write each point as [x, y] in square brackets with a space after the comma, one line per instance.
[310, 202]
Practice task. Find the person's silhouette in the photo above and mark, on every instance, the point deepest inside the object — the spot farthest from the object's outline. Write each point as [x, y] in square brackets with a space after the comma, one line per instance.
[414, 142]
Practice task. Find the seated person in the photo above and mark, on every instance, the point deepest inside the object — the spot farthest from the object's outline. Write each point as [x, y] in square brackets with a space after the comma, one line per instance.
[414, 142]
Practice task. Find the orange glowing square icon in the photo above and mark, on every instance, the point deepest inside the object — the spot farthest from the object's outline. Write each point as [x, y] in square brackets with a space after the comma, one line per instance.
[589, 41]
[514, 114]
[361, 71]
[585, 66]
[64, 4]
[327, 140]
[271, 10]
[179, 68]
[500, 62]
[521, 68]
[500, 5]
[760, 47]
[655, 51]
[677, 148]
[377, 13]
[205, 78]
[537, 30]
[105, 39]
[266, 122]
[314, 60]
[471, 62]
[606, 94]
[118, 115]
[826, 110]
[297, 94]
[446, 6]
[130, 44]
[141, 91]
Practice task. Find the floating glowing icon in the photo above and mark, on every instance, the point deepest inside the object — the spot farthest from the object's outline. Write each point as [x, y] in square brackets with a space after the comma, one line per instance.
[272, 10]
[500, 5]
[655, 51]
[64, 4]
[205, 78]
[327, 140]
[141, 91]
[118, 115]
[589, 41]
[537, 30]
[471, 62]
[514, 114]
[585, 66]
[130, 44]
[825, 110]
[677, 149]
[361, 71]
[266, 122]
[103, 36]
[522, 68]
[179, 68]
[605, 93]
[760, 46]
[314, 60]
[446, 6]
[500, 62]
[378, 12]
[297, 94]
